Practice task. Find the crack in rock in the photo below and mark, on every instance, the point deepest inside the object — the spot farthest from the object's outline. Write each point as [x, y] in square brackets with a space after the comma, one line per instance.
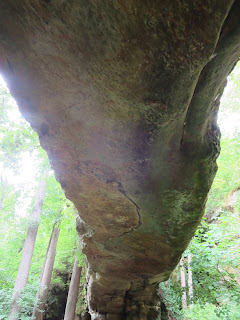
[120, 188]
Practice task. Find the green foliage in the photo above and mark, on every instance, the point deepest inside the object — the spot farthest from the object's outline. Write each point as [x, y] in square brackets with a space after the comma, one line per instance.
[26, 301]
[5, 297]
[212, 312]
[215, 260]
[13, 230]
[216, 275]
[228, 175]
[199, 312]
[171, 294]
[16, 135]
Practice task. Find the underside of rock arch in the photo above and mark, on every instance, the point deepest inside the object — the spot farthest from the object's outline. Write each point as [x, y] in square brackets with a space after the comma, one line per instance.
[124, 96]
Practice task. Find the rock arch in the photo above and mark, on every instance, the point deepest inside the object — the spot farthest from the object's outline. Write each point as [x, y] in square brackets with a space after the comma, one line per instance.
[124, 97]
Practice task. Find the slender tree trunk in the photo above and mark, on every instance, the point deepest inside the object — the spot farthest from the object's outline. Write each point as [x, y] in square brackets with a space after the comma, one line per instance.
[183, 284]
[73, 292]
[27, 254]
[41, 277]
[46, 274]
[190, 283]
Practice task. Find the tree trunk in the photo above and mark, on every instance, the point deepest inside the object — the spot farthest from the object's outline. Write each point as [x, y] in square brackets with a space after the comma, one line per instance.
[73, 292]
[25, 263]
[43, 267]
[183, 284]
[46, 274]
[190, 283]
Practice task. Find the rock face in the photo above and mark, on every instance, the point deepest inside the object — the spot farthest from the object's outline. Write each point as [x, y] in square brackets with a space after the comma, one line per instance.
[124, 97]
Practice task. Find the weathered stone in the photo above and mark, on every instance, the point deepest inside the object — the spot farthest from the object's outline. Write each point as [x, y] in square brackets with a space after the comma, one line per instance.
[124, 96]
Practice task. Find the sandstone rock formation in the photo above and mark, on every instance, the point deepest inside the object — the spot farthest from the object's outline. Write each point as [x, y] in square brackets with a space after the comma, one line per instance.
[124, 96]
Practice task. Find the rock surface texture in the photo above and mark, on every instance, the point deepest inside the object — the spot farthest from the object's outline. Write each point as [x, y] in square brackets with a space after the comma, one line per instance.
[124, 96]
